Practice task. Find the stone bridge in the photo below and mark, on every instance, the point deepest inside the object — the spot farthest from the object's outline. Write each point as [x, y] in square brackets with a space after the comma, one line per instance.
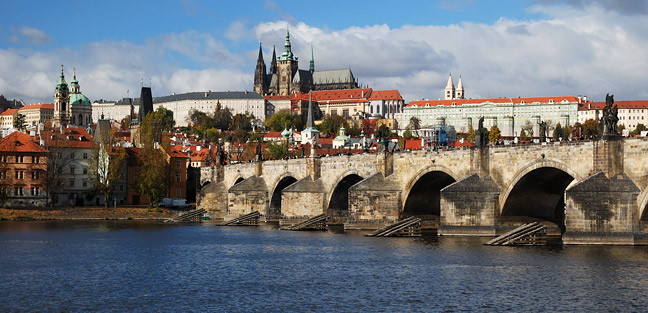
[592, 191]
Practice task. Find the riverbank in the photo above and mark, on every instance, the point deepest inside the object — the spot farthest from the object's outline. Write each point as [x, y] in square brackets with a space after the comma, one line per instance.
[86, 213]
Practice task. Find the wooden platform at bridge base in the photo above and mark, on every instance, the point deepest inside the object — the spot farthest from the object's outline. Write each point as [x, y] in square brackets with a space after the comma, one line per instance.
[607, 238]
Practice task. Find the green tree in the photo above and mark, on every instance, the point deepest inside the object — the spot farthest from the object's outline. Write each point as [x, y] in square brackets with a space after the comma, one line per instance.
[407, 134]
[470, 134]
[621, 128]
[523, 135]
[20, 122]
[196, 117]
[282, 119]
[152, 175]
[155, 124]
[383, 132]
[558, 132]
[222, 117]
[640, 127]
[528, 129]
[107, 168]
[494, 134]
[331, 124]
[242, 121]
[415, 124]
[277, 151]
[567, 130]
[212, 135]
[590, 128]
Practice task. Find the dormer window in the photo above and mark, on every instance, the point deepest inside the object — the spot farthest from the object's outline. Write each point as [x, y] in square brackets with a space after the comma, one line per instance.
[551, 101]
[522, 102]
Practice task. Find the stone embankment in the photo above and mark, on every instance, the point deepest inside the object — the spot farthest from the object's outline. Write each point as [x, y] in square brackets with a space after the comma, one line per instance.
[86, 213]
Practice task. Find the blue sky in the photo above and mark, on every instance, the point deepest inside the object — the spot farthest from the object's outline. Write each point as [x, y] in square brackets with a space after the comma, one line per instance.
[500, 48]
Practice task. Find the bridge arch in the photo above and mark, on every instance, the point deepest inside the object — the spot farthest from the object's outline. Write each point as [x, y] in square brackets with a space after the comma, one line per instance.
[422, 194]
[274, 206]
[538, 191]
[338, 199]
[642, 202]
[237, 180]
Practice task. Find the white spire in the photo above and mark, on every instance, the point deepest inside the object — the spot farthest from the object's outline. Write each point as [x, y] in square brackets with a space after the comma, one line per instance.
[460, 89]
[450, 89]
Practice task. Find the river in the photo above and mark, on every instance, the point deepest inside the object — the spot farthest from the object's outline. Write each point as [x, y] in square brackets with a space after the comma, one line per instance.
[134, 266]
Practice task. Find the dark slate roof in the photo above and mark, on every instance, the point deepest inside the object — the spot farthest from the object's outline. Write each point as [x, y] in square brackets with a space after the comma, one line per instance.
[253, 183]
[197, 96]
[306, 185]
[598, 182]
[333, 76]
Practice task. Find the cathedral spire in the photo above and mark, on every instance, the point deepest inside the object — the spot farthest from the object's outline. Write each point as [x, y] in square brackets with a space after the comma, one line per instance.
[312, 61]
[273, 62]
[260, 84]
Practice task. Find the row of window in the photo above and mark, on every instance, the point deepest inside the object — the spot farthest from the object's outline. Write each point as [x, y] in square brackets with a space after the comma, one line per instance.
[21, 174]
[33, 191]
[19, 159]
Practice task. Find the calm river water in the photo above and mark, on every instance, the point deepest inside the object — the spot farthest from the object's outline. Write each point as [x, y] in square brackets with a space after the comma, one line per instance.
[130, 266]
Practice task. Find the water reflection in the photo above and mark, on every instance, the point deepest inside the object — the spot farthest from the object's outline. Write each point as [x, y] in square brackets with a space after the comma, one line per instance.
[144, 266]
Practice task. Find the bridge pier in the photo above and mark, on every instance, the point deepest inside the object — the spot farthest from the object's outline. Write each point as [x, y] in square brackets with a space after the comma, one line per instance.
[246, 197]
[374, 203]
[470, 207]
[303, 199]
[601, 210]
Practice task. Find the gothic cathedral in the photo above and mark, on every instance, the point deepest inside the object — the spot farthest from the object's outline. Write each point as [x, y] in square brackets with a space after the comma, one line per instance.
[286, 78]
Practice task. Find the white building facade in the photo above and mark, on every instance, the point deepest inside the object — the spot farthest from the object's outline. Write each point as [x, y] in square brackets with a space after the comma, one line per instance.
[181, 104]
[508, 114]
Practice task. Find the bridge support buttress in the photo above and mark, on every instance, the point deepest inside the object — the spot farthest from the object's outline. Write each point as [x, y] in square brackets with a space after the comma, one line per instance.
[602, 209]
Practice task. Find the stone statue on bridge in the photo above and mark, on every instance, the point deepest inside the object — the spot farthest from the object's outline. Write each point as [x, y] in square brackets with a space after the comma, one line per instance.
[481, 136]
[543, 131]
[610, 118]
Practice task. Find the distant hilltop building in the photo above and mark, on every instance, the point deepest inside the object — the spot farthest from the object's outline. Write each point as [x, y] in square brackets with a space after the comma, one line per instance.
[285, 77]
[181, 104]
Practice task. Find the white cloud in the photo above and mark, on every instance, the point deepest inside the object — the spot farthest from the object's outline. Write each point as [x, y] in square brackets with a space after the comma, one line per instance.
[31, 35]
[576, 50]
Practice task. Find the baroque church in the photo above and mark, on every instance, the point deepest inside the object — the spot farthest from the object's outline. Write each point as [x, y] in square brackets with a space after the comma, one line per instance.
[71, 107]
[286, 78]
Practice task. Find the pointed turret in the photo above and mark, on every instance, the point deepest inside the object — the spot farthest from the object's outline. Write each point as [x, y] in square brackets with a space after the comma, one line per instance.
[460, 89]
[311, 134]
[312, 61]
[74, 84]
[61, 101]
[260, 85]
[62, 85]
[273, 62]
[450, 89]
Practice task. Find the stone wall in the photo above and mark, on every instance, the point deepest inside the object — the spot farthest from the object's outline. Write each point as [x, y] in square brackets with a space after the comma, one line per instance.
[470, 207]
[213, 198]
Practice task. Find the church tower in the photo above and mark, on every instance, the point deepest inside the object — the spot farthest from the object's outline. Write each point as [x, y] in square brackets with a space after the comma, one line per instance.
[61, 102]
[460, 89]
[450, 89]
[286, 68]
[260, 84]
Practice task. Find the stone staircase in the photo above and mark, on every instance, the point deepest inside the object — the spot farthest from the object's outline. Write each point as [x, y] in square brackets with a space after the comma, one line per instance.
[251, 219]
[528, 234]
[315, 223]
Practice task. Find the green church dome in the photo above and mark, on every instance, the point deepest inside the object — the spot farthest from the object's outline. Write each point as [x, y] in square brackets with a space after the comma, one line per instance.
[79, 99]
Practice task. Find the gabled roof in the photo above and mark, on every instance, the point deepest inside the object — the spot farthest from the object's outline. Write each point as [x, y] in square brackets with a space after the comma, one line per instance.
[386, 95]
[23, 143]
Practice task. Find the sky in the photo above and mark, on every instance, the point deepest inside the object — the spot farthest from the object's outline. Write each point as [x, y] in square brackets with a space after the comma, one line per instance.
[524, 48]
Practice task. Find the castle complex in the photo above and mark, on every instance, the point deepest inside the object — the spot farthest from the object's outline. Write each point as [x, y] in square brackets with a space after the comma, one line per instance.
[286, 78]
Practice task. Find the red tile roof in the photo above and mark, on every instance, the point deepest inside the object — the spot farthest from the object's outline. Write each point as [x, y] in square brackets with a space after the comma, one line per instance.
[386, 95]
[48, 106]
[17, 142]
[517, 101]
[9, 112]
[71, 138]
[632, 104]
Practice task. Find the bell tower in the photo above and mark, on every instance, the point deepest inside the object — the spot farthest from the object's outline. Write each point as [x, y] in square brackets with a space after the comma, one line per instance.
[286, 68]
[61, 102]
